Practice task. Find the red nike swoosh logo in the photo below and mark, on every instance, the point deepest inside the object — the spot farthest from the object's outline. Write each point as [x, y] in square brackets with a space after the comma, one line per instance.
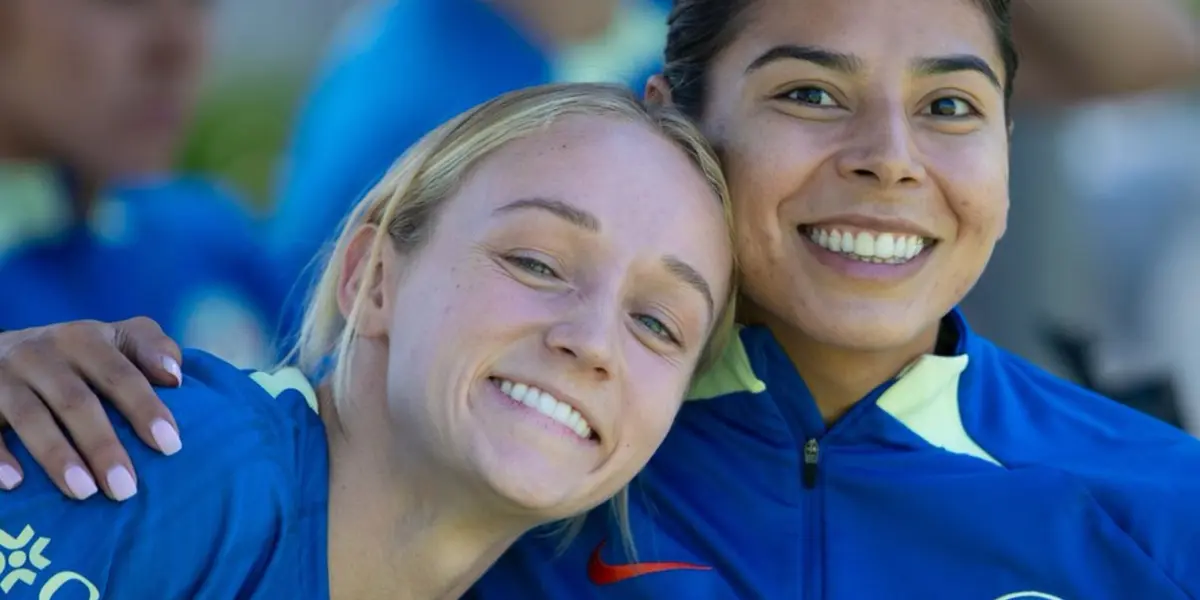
[602, 573]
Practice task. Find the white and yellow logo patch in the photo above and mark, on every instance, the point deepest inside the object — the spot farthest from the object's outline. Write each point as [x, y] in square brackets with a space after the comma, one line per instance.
[23, 562]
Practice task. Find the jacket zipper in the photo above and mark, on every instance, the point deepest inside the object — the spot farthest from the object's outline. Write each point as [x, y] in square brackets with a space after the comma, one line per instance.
[813, 566]
[812, 454]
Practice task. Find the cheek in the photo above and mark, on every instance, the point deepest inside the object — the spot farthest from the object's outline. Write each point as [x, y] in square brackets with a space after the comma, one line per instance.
[977, 199]
[770, 159]
[474, 306]
[102, 61]
[982, 208]
[71, 84]
[654, 393]
[975, 183]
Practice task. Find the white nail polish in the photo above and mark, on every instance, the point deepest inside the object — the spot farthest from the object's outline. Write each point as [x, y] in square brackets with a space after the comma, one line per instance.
[172, 367]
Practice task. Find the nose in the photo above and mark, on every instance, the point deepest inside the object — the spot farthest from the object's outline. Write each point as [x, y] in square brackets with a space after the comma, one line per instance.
[588, 339]
[882, 153]
[177, 45]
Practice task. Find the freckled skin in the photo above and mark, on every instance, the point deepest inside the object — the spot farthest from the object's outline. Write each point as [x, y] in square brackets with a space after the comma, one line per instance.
[530, 296]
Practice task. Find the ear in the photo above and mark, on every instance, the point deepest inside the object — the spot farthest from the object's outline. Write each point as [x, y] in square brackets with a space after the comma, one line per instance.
[363, 282]
[658, 91]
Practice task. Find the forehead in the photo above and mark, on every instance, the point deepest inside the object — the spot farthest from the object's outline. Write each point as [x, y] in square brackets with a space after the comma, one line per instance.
[878, 31]
[624, 173]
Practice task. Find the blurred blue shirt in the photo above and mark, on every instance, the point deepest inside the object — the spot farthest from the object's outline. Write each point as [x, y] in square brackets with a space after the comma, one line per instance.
[181, 251]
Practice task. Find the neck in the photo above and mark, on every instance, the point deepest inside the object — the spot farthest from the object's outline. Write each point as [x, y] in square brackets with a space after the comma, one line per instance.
[398, 529]
[839, 377]
[13, 150]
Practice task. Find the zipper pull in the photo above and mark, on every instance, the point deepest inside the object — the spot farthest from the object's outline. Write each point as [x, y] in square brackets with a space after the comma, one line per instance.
[812, 454]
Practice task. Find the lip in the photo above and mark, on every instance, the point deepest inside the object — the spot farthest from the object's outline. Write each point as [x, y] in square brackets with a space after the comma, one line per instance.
[880, 224]
[559, 395]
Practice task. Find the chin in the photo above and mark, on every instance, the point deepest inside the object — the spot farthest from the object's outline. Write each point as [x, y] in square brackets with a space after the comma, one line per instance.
[533, 462]
[533, 482]
[865, 325]
[540, 495]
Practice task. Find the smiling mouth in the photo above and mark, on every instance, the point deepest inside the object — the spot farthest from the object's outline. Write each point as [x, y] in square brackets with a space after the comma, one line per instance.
[877, 247]
[545, 403]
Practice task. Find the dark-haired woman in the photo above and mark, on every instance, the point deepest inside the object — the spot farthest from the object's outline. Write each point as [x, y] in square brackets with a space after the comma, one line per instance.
[859, 441]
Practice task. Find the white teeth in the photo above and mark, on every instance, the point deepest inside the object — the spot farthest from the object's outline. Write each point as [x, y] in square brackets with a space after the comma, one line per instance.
[884, 248]
[548, 405]
[864, 244]
[885, 245]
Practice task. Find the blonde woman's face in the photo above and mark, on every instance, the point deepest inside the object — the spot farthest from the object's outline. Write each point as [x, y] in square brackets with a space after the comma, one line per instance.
[547, 331]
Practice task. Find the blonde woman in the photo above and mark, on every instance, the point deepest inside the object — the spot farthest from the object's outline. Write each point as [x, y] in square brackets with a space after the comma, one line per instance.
[557, 259]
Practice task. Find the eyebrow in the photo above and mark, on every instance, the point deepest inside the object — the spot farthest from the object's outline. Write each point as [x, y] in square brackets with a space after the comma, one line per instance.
[571, 214]
[850, 64]
[941, 65]
[689, 275]
[830, 59]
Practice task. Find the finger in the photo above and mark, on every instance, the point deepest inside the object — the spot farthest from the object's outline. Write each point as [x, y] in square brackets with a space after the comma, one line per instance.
[141, 340]
[79, 410]
[35, 426]
[112, 374]
[10, 470]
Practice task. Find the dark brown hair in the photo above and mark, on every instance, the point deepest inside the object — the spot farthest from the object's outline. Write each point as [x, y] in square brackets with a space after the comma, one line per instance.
[698, 30]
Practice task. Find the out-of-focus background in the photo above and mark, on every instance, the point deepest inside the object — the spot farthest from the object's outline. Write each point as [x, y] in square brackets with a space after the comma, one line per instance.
[262, 68]
[1095, 279]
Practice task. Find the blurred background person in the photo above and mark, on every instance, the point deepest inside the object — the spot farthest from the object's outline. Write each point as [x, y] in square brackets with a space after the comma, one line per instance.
[94, 99]
[1060, 289]
[1131, 168]
[400, 67]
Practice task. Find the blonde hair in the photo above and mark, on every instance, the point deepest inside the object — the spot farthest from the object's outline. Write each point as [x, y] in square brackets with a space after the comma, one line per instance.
[405, 204]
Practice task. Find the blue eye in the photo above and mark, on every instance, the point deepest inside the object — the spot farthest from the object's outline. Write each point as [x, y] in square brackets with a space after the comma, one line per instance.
[811, 96]
[656, 327]
[532, 265]
[951, 107]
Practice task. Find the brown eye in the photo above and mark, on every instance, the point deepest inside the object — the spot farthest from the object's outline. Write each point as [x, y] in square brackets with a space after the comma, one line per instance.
[810, 96]
[951, 107]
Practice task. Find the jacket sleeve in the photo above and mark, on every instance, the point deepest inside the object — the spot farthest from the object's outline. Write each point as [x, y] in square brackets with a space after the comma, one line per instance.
[201, 525]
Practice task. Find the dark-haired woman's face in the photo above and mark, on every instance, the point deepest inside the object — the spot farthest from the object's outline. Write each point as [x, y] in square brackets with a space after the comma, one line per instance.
[867, 151]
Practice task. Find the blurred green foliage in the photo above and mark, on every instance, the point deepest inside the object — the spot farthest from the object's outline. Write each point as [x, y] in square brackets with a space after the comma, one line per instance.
[240, 132]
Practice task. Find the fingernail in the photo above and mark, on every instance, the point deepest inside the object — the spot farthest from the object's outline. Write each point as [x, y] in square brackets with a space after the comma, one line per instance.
[80, 483]
[166, 437]
[9, 477]
[121, 483]
[172, 367]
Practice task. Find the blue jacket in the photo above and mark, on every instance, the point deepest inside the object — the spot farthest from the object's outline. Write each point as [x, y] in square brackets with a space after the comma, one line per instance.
[239, 512]
[973, 476]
